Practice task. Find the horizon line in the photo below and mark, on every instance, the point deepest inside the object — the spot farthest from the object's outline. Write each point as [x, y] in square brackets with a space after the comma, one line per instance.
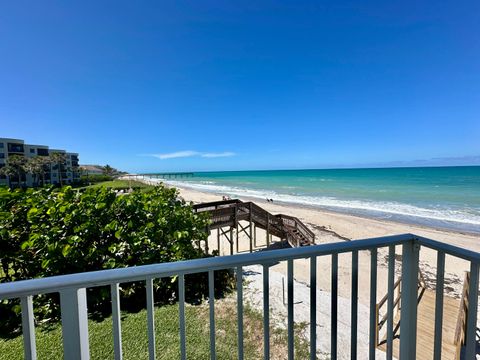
[308, 169]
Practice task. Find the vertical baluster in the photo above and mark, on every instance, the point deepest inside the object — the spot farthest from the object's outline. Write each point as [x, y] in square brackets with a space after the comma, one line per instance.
[240, 311]
[28, 328]
[266, 313]
[181, 314]
[472, 313]
[373, 304]
[116, 321]
[334, 307]
[73, 304]
[313, 308]
[290, 326]
[408, 323]
[354, 306]
[150, 319]
[211, 300]
[437, 352]
[390, 300]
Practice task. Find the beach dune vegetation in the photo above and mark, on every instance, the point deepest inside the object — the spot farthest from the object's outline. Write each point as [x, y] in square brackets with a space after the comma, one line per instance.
[47, 232]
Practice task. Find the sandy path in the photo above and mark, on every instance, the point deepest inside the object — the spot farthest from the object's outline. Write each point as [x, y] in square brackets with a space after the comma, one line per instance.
[278, 310]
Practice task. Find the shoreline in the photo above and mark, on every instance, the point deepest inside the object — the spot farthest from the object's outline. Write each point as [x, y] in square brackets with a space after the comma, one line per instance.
[330, 226]
[333, 212]
[327, 211]
[401, 219]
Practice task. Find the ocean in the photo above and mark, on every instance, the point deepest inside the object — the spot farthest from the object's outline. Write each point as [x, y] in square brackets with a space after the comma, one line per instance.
[442, 197]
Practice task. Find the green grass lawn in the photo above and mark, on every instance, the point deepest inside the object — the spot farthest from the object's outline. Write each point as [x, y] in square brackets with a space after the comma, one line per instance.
[135, 338]
[121, 184]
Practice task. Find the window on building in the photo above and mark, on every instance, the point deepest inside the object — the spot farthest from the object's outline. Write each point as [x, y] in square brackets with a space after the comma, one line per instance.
[32, 151]
[13, 147]
[2, 156]
[1, 145]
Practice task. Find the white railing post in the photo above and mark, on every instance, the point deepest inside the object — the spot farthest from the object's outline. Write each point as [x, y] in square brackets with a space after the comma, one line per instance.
[75, 324]
[408, 324]
[116, 321]
[28, 328]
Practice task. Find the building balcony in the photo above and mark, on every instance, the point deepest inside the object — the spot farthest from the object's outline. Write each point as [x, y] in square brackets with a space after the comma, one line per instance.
[404, 339]
[16, 154]
[15, 148]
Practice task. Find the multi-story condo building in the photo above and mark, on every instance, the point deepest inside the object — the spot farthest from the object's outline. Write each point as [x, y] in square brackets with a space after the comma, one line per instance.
[65, 173]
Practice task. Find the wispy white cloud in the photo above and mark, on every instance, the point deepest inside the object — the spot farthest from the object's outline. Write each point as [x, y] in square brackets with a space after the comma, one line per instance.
[177, 154]
[191, 153]
[217, 155]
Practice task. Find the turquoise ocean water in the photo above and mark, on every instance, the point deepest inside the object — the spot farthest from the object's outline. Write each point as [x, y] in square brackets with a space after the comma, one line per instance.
[446, 197]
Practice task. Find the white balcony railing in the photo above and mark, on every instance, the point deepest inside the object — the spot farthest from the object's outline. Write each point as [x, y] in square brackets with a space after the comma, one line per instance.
[72, 289]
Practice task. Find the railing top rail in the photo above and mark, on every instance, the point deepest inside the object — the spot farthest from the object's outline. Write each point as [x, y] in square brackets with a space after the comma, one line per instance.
[215, 203]
[299, 223]
[449, 249]
[137, 273]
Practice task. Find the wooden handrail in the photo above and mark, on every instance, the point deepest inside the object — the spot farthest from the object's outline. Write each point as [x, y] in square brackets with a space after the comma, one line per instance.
[299, 225]
[287, 227]
[382, 301]
[396, 302]
[461, 328]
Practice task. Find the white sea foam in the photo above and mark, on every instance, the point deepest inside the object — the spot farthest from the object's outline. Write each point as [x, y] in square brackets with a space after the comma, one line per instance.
[365, 206]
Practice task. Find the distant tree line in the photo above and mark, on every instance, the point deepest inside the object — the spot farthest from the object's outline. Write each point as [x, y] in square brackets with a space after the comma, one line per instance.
[17, 167]
[108, 173]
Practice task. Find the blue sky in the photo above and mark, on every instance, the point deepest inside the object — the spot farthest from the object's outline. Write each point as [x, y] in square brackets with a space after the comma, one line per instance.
[173, 85]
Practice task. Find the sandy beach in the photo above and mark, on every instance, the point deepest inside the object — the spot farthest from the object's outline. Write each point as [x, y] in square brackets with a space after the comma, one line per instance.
[335, 227]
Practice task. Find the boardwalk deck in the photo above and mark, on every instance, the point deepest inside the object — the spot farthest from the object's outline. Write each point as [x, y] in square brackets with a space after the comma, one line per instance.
[235, 216]
[425, 327]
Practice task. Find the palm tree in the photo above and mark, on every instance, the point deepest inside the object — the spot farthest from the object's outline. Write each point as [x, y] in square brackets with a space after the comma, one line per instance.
[108, 170]
[75, 171]
[43, 161]
[17, 162]
[59, 160]
[35, 166]
[8, 171]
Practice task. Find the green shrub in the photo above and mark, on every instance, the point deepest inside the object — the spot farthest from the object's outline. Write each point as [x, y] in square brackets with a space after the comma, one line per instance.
[47, 232]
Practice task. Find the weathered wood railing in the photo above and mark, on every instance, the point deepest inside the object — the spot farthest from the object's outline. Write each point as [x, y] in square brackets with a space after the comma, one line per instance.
[228, 213]
[461, 328]
[395, 306]
[296, 225]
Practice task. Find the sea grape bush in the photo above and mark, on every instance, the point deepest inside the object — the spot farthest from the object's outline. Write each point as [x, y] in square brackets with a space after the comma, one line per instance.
[46, 232]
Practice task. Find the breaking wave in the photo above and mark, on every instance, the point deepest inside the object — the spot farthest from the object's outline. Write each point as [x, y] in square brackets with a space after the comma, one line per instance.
[366, 207]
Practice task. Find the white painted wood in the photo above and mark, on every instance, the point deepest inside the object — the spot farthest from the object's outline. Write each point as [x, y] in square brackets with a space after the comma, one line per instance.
[28, 328]
[75, 324]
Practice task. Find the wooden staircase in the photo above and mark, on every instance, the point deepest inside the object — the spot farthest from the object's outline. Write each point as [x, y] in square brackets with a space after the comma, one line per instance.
[230, 213]
[453, 328]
